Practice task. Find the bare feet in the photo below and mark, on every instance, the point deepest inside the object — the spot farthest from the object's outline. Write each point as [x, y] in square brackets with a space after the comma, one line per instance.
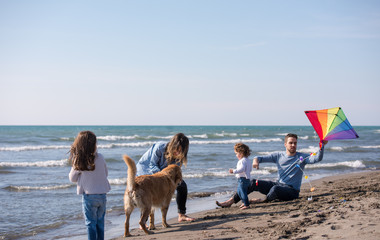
[225, 204]
[243, 207]
[185, 218]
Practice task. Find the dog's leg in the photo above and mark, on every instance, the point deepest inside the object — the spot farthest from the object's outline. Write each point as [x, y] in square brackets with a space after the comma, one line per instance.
[151, 220]
[164, 211]
[144, 217]
[128, 212]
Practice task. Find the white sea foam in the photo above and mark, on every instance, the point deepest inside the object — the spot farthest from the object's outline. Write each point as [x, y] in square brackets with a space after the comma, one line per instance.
[116, 138]
[118, 181]
[265, 153]
[282, 134]
[311, 149]
[263, 171]
[224, 134]
[232, 141]
[45, 188]
[377, 146]
[338, 149]
[351, 164]
[225, 173]
[304, 137]
[51, 163]
[135, 144]
[200, 136]
[207, 174]
[34, 148]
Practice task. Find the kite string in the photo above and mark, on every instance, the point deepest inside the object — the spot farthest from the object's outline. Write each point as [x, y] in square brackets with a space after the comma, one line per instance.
[292, 167]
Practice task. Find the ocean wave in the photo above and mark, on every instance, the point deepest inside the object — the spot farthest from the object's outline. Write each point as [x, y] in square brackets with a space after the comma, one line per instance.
[66, 139]
[118, 181]
[263, 171]
[116, 138]
[51, 163]
[338, 149]
[311, 149]
[224, 134]
[133, 137]
[282, 134]
[265, 153]
[36, 188]
[225, 173]
[368, 147]
[199, 136]
[351, 164]
[207, 174]
[232, 141]
[34, 148]
[136, 144]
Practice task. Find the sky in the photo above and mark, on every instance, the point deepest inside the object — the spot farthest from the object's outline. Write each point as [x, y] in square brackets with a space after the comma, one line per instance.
[198, 62]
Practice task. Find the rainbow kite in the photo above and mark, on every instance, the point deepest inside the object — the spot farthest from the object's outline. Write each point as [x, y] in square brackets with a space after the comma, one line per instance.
[331, 124]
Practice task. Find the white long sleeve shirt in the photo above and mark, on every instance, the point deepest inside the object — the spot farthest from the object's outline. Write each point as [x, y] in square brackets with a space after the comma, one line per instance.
[92, 182]
[243, 168]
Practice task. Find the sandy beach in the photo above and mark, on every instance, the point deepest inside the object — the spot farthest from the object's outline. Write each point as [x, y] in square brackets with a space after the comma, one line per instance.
[342, 207]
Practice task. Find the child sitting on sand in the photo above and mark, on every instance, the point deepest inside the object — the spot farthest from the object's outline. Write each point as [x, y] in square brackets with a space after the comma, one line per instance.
[243, 172]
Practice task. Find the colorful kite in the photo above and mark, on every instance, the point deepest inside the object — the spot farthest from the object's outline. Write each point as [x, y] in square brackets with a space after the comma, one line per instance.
[331, 124]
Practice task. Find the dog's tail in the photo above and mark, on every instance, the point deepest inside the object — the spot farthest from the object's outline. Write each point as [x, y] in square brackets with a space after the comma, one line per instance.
[131, 172]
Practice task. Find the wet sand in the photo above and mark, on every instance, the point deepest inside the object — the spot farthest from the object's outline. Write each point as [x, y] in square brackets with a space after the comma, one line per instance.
[342, 207]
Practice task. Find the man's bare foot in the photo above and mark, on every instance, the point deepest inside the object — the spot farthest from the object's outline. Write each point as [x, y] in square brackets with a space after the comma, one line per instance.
[185, 218]
[225, 204]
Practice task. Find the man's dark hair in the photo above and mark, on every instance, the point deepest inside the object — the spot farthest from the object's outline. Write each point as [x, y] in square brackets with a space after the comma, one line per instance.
[290, 135]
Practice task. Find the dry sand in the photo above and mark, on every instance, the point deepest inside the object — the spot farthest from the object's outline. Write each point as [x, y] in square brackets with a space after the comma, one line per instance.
[342, 207]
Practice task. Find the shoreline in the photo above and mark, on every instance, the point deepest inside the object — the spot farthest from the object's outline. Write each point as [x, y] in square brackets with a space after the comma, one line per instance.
[343, 206]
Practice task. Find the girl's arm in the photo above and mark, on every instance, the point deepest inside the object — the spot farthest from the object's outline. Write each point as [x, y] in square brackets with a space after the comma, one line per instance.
[74, 175]
[240, 168]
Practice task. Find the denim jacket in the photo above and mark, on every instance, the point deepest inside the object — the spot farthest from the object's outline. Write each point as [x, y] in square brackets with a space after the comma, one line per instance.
[153, 160]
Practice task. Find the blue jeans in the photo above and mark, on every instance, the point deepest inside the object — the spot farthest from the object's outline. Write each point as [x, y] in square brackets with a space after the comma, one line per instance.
[94, 210]
[242, 190]
[273, 190]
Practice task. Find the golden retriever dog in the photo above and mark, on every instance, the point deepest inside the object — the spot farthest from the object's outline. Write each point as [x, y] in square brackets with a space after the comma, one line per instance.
[149, 191]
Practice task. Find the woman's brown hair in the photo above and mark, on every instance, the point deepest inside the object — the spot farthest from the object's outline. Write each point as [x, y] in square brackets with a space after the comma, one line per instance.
[177, 148]
[83, 151]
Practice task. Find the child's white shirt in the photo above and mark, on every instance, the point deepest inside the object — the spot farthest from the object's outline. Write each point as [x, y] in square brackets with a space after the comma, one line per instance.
[243, 168]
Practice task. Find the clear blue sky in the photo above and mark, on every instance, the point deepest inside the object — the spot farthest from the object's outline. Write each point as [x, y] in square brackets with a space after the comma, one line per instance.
[188, 62]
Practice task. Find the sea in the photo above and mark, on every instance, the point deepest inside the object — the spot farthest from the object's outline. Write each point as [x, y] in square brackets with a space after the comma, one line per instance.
[39, 202]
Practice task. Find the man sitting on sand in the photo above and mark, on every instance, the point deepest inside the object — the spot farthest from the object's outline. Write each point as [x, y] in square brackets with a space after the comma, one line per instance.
[290, 165]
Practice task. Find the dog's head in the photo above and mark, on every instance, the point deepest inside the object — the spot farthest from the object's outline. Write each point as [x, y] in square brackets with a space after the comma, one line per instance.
[175, 173]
